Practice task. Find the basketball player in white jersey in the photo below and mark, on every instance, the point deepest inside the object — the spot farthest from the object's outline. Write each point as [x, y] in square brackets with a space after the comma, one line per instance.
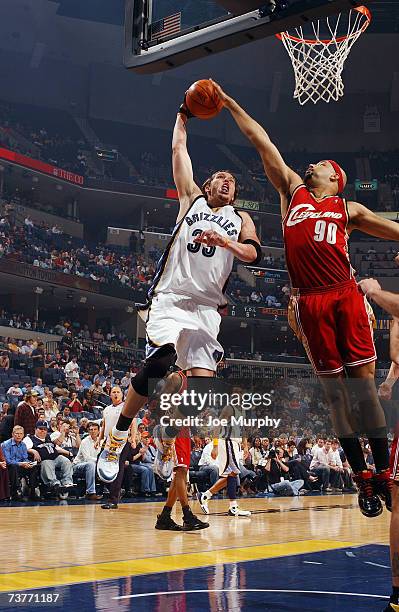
[182, 318]
[227, 451]
[390, 302]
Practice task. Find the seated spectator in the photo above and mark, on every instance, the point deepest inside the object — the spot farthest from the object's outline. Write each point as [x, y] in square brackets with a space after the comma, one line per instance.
[107, 387]
[320, 465]
[7, 422]
[84, 463]
[14, 394]
[55, 465]
[49, 410]
[100, 377]
[84, 427]
[60, 390]
[39, 387]
[67, 437]
[25, 415]
[139, 462]
[19, 466]
[74, 403]
[85, 381]
[4, 360]
[275, 467]
[4, 483]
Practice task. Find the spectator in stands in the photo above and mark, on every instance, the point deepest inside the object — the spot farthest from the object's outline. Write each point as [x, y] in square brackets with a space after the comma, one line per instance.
[208, 464]
[84, 463]
[55, 465]
[4, 483]
[72, 370]
[125, 382]
[139, 462]
[39, 388]
[25, 415]
[60, 390]
[74, 402]
[275, 467]
[4, 361]
[320, 465]
[107, 387]
[14, 394]
[85, 381]
[38, 357]
[7, 421]
[100, 377]
[19, 466]
[84, 424]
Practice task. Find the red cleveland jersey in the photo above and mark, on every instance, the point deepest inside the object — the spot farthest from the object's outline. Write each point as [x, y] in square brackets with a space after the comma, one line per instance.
[316, 240]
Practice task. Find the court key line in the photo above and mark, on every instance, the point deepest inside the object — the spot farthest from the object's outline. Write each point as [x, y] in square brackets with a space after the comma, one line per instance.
[23, 581]
[251, 591]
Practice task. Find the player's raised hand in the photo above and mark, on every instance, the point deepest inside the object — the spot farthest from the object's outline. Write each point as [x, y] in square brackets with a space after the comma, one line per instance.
[222, 94]
[211, 238]
[369, 285]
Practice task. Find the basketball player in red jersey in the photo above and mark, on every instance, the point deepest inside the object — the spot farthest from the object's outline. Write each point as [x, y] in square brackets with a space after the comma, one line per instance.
[328, 311]
[390, 302]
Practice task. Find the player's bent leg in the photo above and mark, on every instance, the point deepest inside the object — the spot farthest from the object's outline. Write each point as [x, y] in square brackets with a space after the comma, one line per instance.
[374, 426]
[345, 427]
[154, 367]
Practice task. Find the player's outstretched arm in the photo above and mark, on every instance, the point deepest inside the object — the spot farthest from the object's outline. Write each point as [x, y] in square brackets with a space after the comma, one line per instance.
[182, 167]
[364, 220]
[282, 177]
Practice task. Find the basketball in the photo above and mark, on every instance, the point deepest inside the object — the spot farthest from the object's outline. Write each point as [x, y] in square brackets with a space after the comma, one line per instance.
[203, 101]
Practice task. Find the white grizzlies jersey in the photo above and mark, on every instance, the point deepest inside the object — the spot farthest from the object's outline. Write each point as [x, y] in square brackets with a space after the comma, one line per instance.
[196, 270]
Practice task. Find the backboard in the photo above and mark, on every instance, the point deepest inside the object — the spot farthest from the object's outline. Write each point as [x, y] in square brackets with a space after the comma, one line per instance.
[164, 34]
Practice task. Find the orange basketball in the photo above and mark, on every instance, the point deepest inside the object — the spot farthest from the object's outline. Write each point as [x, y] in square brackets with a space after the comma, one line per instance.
[203, 101]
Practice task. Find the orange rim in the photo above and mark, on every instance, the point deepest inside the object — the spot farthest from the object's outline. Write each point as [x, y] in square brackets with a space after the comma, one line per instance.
[360, 9]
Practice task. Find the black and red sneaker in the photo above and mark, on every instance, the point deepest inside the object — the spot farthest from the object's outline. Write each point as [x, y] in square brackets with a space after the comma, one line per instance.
[369, 502]
[383, 484]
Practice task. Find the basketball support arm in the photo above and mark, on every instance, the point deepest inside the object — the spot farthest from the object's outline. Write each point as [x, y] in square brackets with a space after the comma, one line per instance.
[282, 177]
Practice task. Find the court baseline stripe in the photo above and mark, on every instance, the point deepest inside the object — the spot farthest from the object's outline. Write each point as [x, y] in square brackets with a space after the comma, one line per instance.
[137, 595]
[168, 563]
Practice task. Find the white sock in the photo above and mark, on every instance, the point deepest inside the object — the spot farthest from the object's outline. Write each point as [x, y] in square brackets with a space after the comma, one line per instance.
[119, 434]
[233, 504]
[208, 494]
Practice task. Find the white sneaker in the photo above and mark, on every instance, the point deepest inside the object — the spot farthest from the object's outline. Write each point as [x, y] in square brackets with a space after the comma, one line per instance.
[203, 502]
[165, 456]
[108, 461]
[236, 511]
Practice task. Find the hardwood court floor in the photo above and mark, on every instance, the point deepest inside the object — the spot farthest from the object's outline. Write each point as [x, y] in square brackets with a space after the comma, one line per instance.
[49, 545]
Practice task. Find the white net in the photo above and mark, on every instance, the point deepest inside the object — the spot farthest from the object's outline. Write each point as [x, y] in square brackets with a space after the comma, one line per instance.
[318, 57]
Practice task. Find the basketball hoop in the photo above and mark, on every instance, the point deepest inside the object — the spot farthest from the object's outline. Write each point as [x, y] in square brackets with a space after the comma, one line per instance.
[318, 62]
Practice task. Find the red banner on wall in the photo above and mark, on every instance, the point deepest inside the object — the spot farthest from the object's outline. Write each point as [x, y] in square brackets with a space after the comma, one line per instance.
[35, 164]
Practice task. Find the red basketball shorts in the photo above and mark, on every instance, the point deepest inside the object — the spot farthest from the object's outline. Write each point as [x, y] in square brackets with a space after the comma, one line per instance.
[335, 326]
[183, 449]
[394, 461]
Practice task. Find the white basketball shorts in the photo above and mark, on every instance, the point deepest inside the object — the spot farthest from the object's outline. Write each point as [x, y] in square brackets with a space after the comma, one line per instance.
[228, 457]
[191, 327]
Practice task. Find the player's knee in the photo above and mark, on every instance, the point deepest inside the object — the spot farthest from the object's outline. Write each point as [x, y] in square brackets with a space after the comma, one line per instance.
[154, 367]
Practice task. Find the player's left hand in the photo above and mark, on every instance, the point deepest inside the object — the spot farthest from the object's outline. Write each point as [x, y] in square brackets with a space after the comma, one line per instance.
[369, 285]
[211, 238]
